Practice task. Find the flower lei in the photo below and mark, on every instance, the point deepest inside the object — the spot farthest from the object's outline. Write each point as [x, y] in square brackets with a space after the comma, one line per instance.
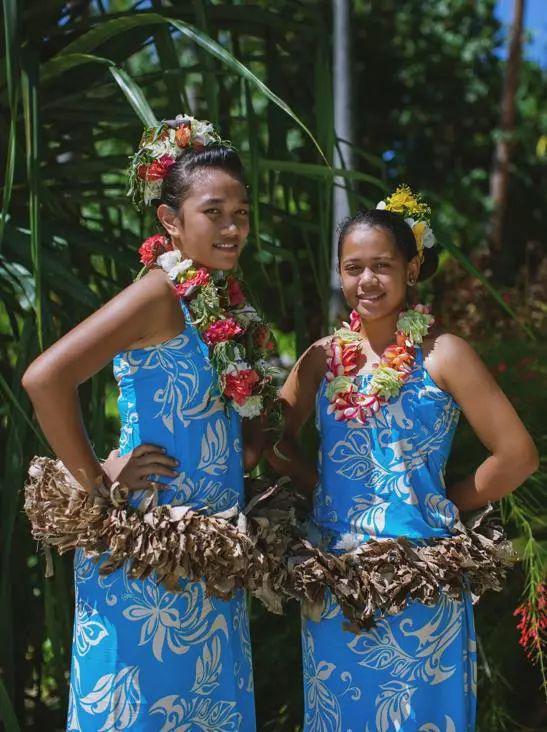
[159, 149]
[396, 363]
[238, 339]
[415, 213]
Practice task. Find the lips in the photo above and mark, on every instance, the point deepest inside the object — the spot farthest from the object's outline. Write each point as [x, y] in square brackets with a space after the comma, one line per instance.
[226, 247]
[371, 297]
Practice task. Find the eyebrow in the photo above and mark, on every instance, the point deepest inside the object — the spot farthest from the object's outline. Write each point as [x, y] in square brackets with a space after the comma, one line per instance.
[357, 260]
[214, 201]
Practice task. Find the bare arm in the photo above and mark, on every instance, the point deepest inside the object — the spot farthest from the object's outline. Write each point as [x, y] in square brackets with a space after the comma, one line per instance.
[513, 456]
[298, 400]
[52, 380]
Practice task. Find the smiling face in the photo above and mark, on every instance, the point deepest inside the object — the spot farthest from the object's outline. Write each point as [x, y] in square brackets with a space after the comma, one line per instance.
[374, 272]
[212, 223]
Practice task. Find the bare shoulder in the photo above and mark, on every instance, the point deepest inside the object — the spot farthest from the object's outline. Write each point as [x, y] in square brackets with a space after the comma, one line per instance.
[305, 376]
[314, 359]
[152, 299]
[447, 355]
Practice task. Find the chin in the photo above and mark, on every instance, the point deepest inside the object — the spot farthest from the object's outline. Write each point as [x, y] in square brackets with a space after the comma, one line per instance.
[376, 311]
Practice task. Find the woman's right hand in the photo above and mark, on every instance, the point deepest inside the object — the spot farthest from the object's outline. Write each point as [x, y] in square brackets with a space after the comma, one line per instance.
[134, 469]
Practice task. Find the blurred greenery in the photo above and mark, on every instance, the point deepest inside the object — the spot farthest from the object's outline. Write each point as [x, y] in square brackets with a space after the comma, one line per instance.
[76, 82]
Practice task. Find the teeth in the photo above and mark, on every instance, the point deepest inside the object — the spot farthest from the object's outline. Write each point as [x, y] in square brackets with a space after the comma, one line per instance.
[225, 246]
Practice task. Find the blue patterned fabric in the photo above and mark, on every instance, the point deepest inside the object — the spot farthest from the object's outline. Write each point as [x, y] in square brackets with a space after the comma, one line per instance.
[415, 670]
[144, 658]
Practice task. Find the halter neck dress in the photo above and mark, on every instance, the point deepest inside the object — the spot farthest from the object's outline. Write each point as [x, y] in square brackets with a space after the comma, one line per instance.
[414, 671]
[144, 658]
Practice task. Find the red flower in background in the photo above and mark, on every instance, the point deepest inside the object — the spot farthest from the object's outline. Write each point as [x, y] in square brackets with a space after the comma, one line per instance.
[186, 289]
[152, 247]
[235, 293]
[533, 624]
[156, 170]
[240, 384]
[222, 330]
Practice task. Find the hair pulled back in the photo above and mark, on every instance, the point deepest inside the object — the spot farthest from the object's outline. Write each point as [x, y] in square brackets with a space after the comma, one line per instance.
[178, 181]
[400, 231]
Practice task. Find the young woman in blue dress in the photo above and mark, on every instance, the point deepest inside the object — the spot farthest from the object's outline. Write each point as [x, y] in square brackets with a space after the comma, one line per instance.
[145, 658]
[387, 392]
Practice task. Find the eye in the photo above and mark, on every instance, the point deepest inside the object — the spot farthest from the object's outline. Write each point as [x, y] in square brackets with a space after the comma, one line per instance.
[382, 265]
[352, 269]
[242, 212]
[212, 210]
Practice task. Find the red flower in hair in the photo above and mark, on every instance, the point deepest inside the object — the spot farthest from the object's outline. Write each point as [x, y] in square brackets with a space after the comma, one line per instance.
[152, 247]
[186, 289]
[239, 385]
[156, 170]
[222, 330]
[235, 293]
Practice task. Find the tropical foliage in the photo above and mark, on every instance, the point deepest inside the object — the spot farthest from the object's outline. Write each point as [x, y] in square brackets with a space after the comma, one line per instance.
[79, 81]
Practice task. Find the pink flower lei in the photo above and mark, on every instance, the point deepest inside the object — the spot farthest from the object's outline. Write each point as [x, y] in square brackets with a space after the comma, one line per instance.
[346, 401]
[238, 339]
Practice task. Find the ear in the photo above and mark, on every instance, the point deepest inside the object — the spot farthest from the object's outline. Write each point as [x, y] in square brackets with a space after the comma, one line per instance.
[169, 220]
[413, 270]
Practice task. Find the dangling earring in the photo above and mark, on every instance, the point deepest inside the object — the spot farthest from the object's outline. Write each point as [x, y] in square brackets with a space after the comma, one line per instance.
[411, 281]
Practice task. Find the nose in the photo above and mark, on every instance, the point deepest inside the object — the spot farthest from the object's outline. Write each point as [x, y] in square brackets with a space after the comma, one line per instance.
[229, 228]
[368, 276]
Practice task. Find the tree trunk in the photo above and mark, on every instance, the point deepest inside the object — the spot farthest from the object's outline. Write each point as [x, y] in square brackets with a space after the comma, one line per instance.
[499, 177]
[343, 134]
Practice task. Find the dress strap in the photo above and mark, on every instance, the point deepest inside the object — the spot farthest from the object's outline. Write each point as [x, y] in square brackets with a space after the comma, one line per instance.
[191, 329]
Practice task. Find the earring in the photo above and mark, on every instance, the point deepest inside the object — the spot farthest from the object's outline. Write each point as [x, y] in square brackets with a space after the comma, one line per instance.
[411, 282]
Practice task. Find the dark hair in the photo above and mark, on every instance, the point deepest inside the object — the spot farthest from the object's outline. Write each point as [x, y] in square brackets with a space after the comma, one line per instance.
[399, 230]
[178, 181]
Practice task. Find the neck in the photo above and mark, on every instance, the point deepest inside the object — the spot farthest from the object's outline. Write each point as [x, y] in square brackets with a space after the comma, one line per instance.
[380, 333]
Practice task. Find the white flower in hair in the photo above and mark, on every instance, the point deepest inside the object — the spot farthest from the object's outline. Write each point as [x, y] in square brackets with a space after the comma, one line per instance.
[168, 260]
[381, 205]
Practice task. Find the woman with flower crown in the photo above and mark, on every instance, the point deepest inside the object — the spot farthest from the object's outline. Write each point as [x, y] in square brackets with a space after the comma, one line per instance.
[388, 391]
[188, 356]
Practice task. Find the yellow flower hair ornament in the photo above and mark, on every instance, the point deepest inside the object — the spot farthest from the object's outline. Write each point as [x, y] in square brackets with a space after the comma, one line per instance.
[415, 212]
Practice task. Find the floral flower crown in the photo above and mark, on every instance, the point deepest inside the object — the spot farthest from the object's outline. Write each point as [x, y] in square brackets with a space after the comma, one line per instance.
[160, 147]
[415, 213]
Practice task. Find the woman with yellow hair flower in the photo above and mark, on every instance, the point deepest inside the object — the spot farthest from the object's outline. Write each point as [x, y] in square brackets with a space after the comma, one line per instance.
[388, 636]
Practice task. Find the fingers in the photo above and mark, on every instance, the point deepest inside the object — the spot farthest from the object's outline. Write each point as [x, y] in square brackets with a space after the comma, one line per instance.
[157, 469]
[151, 459]
[146, 448]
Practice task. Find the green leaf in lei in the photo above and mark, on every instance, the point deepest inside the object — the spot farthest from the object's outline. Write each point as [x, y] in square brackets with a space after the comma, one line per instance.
[415, 325]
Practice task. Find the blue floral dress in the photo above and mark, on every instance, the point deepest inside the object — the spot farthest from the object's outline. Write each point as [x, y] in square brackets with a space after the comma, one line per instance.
[144, 658]
[415, 670]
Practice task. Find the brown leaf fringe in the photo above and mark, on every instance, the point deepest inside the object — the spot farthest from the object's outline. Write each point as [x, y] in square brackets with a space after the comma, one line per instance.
[263, 549]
